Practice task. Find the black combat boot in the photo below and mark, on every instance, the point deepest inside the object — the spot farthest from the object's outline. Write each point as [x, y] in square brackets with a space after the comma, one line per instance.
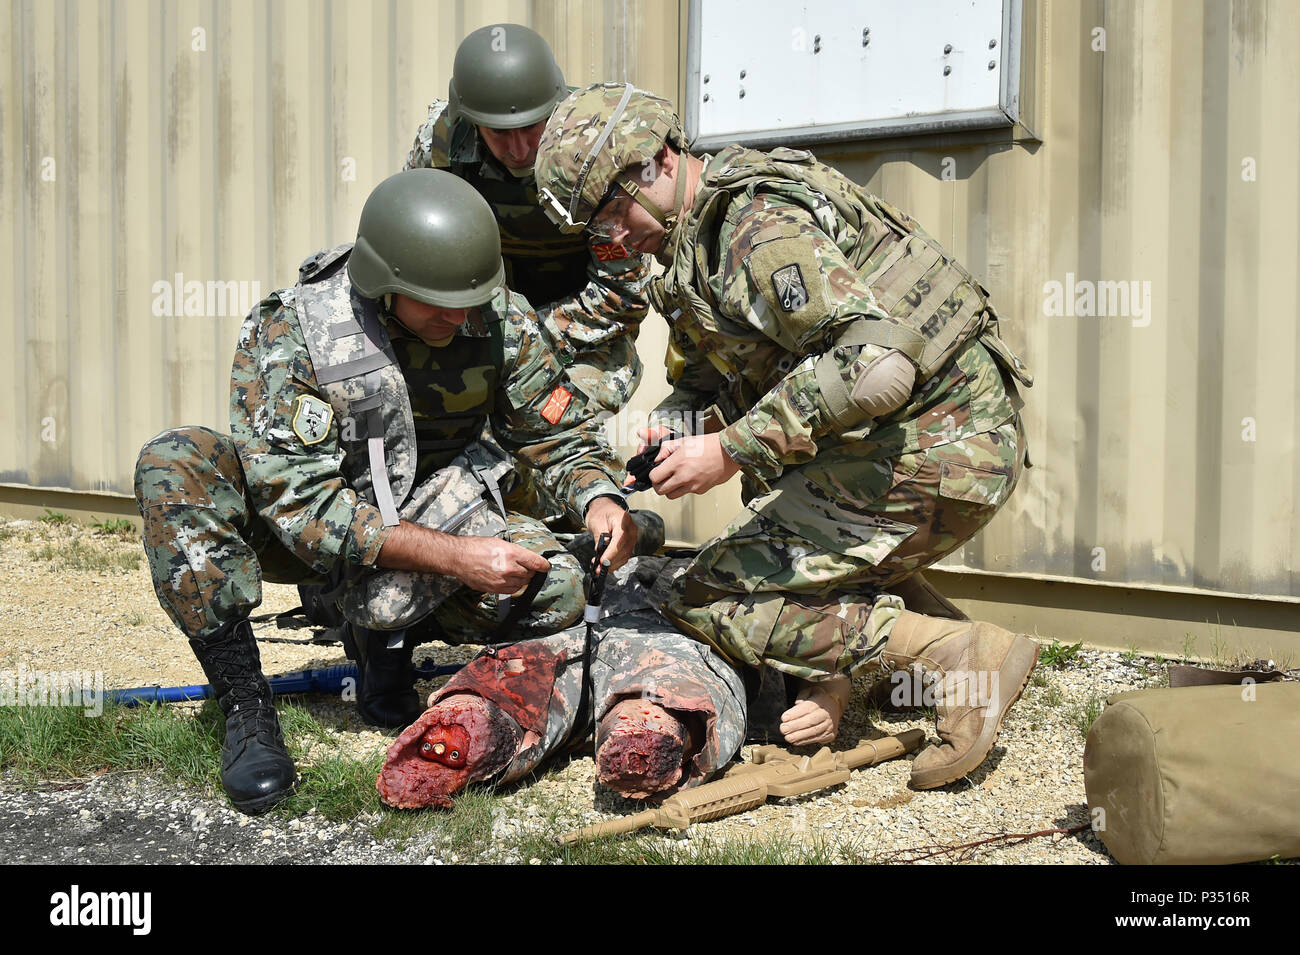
[256, 770]
[386, 694]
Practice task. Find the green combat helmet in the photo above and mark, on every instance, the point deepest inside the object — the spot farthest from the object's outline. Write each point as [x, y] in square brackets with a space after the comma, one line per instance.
[504, 77]
[427, 234]
[591, 140]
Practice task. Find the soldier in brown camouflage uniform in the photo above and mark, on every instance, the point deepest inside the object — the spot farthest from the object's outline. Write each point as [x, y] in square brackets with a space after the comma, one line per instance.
[856, 379]
[377, 412]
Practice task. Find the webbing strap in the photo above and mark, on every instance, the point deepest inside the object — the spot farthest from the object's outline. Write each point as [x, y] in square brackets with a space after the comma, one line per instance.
[368, 403]
[379, 483]
[885, 334]
[830, 380]
[519, 608]
[632, 189]
[344, 328]
[485, 476]
[373, 360]
[836, 394]
[595, 149]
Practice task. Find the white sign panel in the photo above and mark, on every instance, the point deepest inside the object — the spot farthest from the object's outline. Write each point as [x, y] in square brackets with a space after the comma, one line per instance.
[785, 71]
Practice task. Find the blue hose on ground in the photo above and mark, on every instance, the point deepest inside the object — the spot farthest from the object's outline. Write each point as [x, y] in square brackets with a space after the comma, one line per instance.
[327, 680]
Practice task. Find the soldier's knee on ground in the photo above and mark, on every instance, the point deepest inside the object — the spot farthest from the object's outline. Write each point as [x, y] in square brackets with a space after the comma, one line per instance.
[386, 604]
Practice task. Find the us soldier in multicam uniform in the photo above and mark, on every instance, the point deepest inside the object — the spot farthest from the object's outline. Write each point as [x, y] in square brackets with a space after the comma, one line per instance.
[858, 383]
[591, 296]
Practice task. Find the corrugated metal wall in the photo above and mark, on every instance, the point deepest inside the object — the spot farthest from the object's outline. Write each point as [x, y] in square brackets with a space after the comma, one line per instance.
[1165, 444]
[226, 141]
[148, 146]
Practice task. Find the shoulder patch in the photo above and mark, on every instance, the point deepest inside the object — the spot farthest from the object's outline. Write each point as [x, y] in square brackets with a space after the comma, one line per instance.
[312, 418]
[557, 404]
[787, 282]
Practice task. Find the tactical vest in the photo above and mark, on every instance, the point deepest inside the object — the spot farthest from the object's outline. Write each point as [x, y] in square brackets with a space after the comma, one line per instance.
[934, 305]
[542, 263]
[388, 446]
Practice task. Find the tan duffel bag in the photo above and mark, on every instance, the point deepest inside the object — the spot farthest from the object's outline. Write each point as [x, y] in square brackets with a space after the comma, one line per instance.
[1197, 775]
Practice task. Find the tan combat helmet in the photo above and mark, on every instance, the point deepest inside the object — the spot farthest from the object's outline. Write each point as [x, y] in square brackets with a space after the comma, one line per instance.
[591, 140]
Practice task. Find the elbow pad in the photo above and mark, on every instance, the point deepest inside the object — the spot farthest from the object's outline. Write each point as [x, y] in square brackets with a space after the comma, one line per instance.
[884, 386]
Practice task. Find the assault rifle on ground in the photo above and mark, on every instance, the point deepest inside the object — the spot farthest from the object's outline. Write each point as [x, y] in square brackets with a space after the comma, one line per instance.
[771, 771]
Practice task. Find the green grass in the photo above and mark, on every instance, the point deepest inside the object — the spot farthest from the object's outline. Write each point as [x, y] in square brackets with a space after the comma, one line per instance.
[1083, 715]
[40, 744]
[55, 517]
[81, 555]
[1131, 654]
[338, 787]
[1058, 654]
[115, 527]
[702, 848]
[464, 830]
[43, 743]
[54, 742]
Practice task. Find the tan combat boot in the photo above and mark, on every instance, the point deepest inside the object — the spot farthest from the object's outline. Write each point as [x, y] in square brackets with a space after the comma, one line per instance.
[976, 671]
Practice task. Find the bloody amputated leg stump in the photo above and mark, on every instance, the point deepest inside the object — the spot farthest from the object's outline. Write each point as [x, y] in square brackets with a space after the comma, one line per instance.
[641, 748]
[460, 740]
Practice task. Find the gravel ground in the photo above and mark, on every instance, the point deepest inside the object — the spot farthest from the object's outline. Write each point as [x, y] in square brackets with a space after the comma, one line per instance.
[57, 617]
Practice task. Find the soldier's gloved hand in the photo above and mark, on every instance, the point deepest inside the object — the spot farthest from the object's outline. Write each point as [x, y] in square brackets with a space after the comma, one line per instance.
[606, 517]
[493, 566]
[692, 465]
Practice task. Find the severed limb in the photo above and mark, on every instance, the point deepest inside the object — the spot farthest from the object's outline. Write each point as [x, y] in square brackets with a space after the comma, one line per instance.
[668, 712]
[461, 739]
[641, 748]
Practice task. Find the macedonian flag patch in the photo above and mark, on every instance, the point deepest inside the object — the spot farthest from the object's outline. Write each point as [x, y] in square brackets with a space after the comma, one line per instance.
[609, 251]
[556, 405]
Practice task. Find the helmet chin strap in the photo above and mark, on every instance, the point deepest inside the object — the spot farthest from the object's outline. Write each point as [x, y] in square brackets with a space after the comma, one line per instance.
[666, 219]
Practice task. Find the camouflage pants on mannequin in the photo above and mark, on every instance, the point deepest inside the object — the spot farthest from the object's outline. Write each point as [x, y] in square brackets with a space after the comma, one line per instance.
[667, 711]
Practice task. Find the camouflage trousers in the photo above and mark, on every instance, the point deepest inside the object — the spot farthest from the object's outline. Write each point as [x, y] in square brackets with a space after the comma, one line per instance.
[796, 579]
[635, 655]
[209, 550]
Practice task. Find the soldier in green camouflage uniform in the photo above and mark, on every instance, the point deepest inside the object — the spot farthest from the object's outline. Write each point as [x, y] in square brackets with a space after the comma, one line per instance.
[590, 295]
[377, 411]
[859, 384]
